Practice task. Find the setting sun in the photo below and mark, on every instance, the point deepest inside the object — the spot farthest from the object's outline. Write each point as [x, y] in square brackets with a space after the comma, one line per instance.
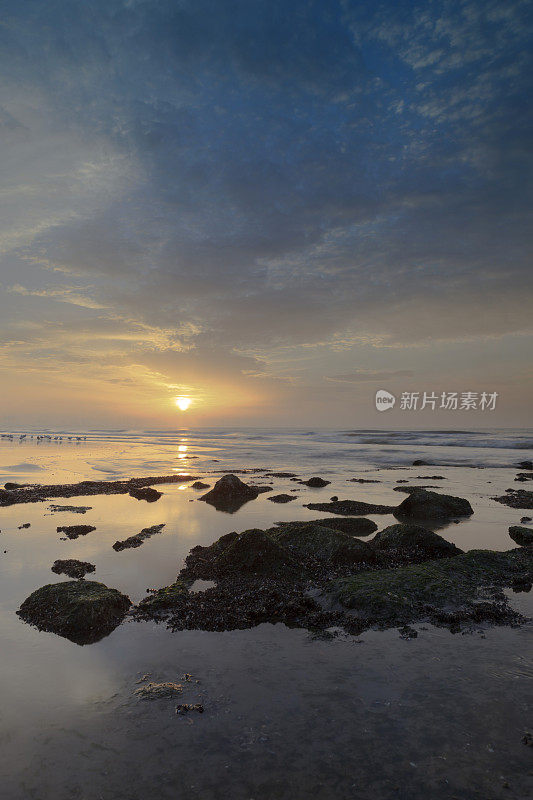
[183, 403]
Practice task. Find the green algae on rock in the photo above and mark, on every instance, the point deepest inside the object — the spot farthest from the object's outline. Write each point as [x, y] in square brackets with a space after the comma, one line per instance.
[316, 543]
[355, 526]
[72, 567]
[462, 588]
[82, 611]
[413, 543]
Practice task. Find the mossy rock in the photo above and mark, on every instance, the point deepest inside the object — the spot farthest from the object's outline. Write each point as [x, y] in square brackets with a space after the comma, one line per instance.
[405, 594]
[164, 598]
[311, 542]
[354, 526]
[432, 505]
[82, 611]
[255, 552]
[413, 542]
[521, 535]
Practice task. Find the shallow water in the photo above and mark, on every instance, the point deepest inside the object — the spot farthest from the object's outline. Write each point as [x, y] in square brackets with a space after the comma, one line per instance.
[286, 715]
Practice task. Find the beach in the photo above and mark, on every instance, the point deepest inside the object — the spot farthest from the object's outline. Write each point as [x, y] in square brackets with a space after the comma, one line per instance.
[286, 712]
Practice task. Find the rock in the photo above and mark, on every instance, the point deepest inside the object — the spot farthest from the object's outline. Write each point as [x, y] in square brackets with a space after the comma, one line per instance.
[72, 567]
[316, 483]
[418, 462]
[72, 509]
[334, 498]
[199, 485]
[314, 543]
[520, 535]
[281, 475]
[526, 519]
[145, 493]
[409, 489]
[24, 525]
[230, 493]
[521, 464]
[432, 505]
[282, 498]
[447, 591]
[355, 526]
[164, 598]
[82, 611]
[362, 480]
[73, 531]
[413, 543]
[516, 498]
[524, 476]
[349, 508]
[157, 691]
[138, 539]
[254, 552]
[10, 486]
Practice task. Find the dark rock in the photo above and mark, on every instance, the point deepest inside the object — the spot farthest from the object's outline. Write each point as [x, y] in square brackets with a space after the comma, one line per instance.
[520, 535]
[526, 519]
[351, 508]
[73, 531]
[24, 525]
[255, 552]
[431, 505]
[82, 611]
[418, 462]
[282, 498]
[313, 543]
[138, 539]
[334, 498]
[9, 486]
[524, 476]
[230, 493]
[362, 480]
[281, 474]
[409, 489]
[516, 498]
[316, 483]
[36, 493]
[72, 509]
[355, 526]
[199, 485]
[72, 567]
[525, 464]
[145, 493]
[413, 543]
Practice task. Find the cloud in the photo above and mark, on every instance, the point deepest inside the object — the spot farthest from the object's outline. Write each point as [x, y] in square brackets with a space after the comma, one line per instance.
[369, 375]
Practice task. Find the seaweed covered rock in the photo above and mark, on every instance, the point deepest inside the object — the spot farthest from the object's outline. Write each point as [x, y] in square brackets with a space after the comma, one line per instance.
[82, 611]
[310, 543]
[351, 508]
[432, 505]
[146, 493]
[138, 539]
[282, 498]
[164, 598]
[199, 485]
[316, 483]
[73, 531]
[516, 498]
[255, 552]
[72, 567]
[446, 591]
[522, 536]
[355, 526]
[229, 493]
[413, 543]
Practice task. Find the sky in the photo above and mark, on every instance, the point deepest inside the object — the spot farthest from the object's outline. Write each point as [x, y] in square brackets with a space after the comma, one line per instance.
[271, 208]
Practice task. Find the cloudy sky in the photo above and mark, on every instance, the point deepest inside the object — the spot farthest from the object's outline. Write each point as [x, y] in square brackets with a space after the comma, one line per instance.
[274, 208]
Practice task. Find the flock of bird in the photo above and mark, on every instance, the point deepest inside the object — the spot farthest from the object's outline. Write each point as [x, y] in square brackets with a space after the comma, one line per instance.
[40, 437]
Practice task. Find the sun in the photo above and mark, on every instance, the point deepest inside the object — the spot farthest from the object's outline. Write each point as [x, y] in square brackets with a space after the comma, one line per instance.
[183, 403]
